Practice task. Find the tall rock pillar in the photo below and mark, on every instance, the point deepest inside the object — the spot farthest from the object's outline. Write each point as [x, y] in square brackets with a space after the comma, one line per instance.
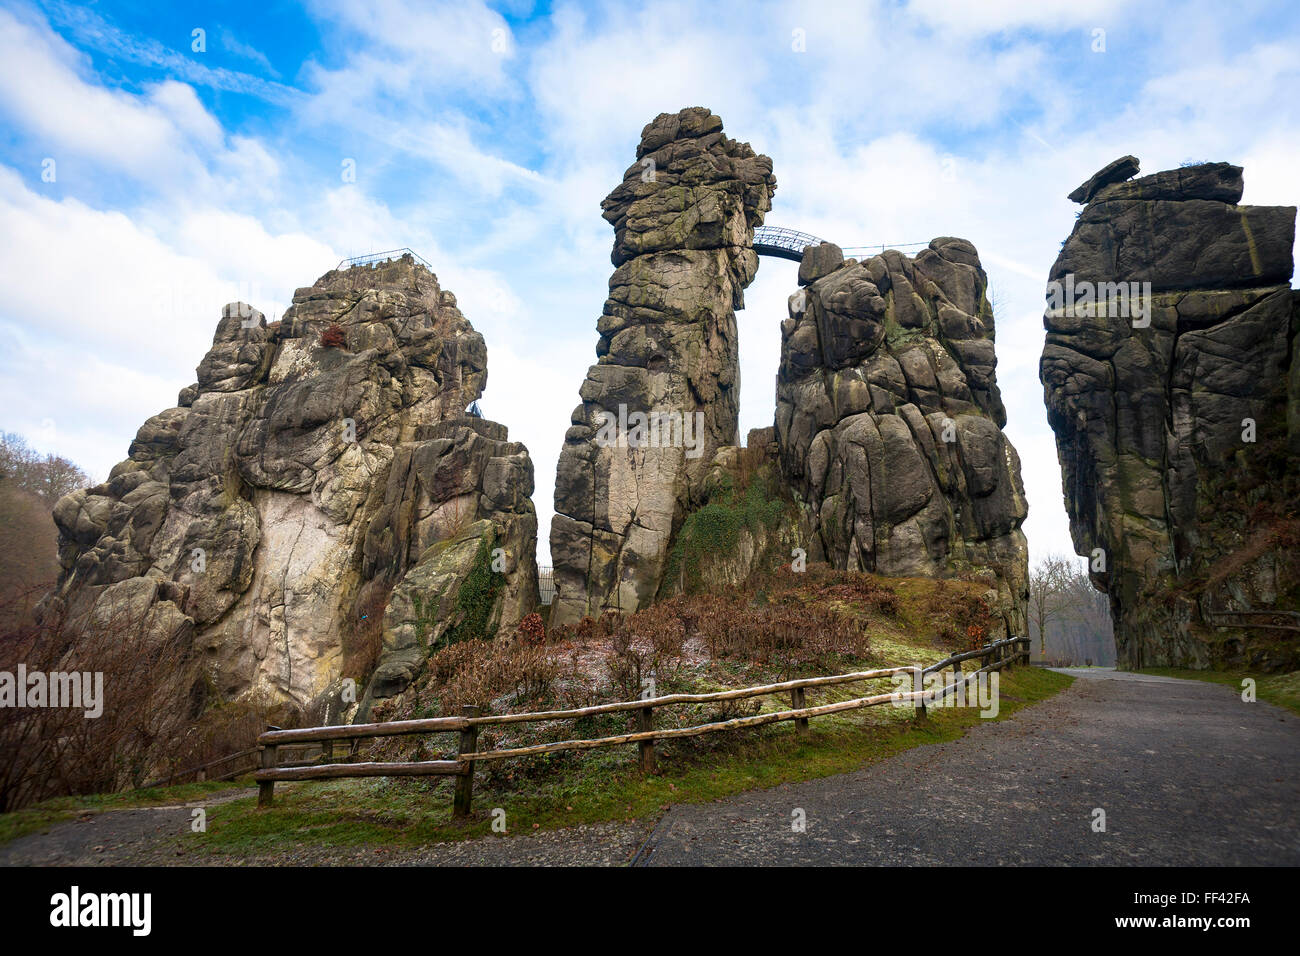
[663, 394]
[1170, 376]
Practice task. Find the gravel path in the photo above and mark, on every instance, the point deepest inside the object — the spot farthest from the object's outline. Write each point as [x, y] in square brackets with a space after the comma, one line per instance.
[159, 836]
[1186, 773]
[113, 837]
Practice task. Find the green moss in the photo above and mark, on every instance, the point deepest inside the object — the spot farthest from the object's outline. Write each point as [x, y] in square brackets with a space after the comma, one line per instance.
[714, 530]
[476, 598]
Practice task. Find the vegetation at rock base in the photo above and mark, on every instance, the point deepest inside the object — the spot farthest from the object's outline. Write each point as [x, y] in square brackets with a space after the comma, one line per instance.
[753, 502]
[778, 626]
[476, 598]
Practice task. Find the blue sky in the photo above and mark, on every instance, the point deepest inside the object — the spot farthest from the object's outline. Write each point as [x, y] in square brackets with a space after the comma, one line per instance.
[485, 135]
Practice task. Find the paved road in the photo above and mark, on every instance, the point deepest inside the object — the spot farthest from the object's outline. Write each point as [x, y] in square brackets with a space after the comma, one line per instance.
[1186, 773]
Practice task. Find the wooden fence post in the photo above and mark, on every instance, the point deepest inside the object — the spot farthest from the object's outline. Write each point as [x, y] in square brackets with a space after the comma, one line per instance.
[799, 701]
[1009, 655]
[645, 721]
[959, 693]
[919, 679]
[266, 788]
[464, 797]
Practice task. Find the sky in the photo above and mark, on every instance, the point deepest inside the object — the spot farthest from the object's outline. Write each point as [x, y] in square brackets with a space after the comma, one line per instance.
[160, 160]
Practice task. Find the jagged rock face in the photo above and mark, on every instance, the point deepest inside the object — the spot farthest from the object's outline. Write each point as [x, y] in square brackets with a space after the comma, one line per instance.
[293, 477]
[684, 219]
[1176, 421]
[889, 421]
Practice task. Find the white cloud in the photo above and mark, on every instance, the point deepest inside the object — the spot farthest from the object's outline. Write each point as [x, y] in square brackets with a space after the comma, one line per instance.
[109, 318]
[998, 16]
[897, 124]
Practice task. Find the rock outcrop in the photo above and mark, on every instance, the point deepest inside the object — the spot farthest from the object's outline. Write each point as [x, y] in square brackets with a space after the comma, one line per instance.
[319, 463]
[1172, 382]
[889, 421]
[662, 397]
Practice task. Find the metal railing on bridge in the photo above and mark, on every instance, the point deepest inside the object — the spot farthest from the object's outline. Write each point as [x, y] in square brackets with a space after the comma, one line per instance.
[783, 243]
[791, 243]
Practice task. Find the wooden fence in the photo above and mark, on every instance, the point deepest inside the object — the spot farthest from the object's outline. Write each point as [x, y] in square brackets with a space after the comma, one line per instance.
[240, 763]
[993, 656]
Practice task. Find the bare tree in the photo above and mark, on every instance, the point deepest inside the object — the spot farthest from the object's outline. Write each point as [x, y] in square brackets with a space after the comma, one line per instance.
[49, 477]
[1051, 596]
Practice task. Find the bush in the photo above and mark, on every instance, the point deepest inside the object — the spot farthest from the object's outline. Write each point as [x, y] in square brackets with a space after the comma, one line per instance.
[480, 672]
[333, 337]
[151, 697]
[531, 629]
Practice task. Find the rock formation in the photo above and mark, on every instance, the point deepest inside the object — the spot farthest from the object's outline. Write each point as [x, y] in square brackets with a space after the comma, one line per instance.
[319, 463]
[889, 421]
[1172, 381]
[684, 218]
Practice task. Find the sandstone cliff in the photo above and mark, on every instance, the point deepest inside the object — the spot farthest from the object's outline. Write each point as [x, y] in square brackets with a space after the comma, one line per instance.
[1171, 379]
[319, 463]
[684, 218]
[889, 422]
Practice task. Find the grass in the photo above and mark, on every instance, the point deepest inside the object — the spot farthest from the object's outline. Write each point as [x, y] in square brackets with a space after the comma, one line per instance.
[565, 790]
[1280, 689]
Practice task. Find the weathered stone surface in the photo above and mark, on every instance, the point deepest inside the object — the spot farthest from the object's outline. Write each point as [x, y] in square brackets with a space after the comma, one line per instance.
[1217, 181]
[683, 218]
[889, 423]
[1180, 244]
[295, 482]
[1184, 517]
[819, 260]
[1113, 172]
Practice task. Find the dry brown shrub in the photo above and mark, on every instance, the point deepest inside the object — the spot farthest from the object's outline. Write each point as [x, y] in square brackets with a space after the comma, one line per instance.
[151, 697]
[333, 337]
[502, 674]
[363, 634]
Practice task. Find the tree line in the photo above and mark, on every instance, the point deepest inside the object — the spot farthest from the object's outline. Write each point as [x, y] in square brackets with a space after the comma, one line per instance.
[30, 485]
[1069, 619]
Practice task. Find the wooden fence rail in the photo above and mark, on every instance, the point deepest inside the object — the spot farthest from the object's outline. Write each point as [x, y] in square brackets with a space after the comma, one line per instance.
[993, 656]
[249, 764]
[204, 771]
